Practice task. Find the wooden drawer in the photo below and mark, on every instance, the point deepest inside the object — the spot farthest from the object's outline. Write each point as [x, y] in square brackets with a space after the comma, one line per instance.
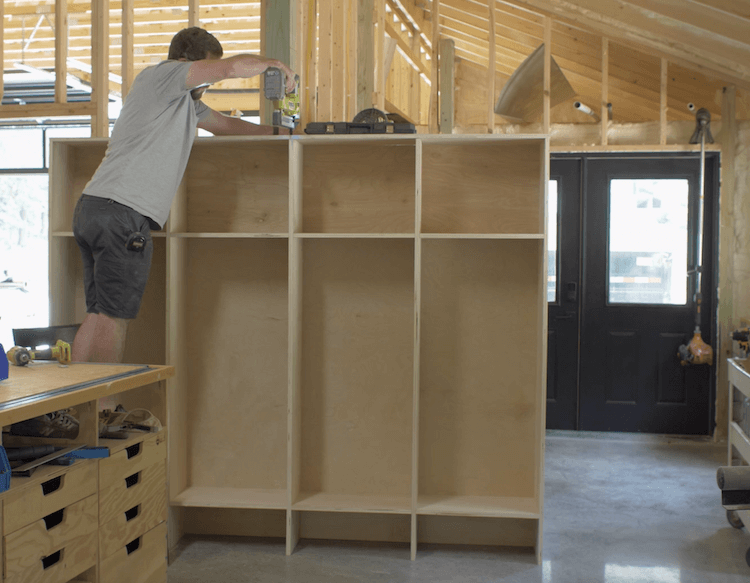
[134, 458]
[55, 548]
[142, 560]
[131, 491]
[136, 520]
[31, 503]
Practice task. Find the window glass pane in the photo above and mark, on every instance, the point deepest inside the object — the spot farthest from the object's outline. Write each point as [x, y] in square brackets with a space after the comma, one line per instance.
[69, 132]
[648, 241]
[552, 220]
[21, 148]
[24, 285]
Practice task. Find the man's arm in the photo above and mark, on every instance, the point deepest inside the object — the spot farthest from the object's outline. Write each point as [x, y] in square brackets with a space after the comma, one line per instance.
[238, 66]
[223, 125]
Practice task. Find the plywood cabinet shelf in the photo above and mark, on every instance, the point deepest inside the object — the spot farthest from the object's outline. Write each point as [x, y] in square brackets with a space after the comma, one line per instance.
[357, 325]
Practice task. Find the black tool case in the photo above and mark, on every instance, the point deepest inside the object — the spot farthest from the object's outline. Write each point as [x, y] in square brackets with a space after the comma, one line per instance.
[343, 127]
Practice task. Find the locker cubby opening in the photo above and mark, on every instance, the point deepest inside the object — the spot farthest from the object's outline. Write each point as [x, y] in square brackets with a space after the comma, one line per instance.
[356, 379]
[146, 337]
[479, 402]
[343, 526]
[236, 186]
[483, 187]
[476, 531]
[363, 186]
[73, 163]
[235, 345]
[264, 523]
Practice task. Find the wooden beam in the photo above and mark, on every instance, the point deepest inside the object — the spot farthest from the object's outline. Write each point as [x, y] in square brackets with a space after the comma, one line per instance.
[663, 103]
[547, 74]
[47, 110]
[308, 63]
[351, 58]
[128, 67]
[338, 81]
[447, 83]
[194, 18]
[365, 53]
[668, 37]
[325, 111]
[2, 42]
[605, 90]
[276, 36]
[415, 91]
[61, 51]
[100, 68]
[491, 71]
[434, 123]
[378, 98]
[414, 59]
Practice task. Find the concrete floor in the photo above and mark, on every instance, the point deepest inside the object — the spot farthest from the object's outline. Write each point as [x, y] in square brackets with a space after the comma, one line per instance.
[618, 509]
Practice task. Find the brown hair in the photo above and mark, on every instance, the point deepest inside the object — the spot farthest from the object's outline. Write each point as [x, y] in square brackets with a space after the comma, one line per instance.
[194, 44]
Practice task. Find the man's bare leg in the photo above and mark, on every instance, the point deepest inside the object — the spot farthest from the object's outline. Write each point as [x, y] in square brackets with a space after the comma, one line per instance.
[100, 339]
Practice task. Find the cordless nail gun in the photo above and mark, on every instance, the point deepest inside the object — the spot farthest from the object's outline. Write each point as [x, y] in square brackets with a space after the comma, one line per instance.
[286, 105]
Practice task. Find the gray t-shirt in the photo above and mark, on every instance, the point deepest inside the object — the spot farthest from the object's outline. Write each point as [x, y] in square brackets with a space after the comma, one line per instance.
[151, 142]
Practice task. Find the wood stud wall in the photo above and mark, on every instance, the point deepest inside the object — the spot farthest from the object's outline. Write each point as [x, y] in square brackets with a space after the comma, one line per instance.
[357, 54]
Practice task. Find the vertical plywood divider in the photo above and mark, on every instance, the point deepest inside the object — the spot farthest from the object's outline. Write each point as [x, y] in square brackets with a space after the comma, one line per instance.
[417, 314]
[294, 419]
[176, 355]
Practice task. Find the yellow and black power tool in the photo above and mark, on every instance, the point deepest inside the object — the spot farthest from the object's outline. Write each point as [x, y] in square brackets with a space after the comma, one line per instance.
[286, 105]
[20, 356]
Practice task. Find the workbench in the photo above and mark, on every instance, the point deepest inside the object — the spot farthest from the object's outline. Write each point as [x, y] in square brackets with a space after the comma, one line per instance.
[97, 520]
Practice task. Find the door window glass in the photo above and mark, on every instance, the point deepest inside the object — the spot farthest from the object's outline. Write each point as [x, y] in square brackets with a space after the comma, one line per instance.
[552, 220]
[648, 241]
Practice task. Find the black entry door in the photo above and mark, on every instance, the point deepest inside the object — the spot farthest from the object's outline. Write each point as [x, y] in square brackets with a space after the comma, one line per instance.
[635, 258]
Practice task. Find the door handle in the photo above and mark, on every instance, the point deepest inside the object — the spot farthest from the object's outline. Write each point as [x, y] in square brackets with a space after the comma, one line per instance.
[566, 316]
[571, 291]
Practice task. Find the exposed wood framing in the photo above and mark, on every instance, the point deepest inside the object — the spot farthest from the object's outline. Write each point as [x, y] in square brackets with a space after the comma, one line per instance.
[605, 90]
[433, 114]
[128, 23]
[447, 50]
[547, 74]
[380, 73]
[194, 18]
[350, 78]
[100, 68]
[365, 54]
[491, 70]
[61, 51]
[698, 37]
[308, 65]
[663, 103]
[338, 38]
[277, 32]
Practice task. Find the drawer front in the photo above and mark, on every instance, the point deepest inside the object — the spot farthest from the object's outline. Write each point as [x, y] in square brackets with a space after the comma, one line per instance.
[133, 522]
[151, 450]
[131, 491]
[38, 564]
[30, 504]
[143, 560]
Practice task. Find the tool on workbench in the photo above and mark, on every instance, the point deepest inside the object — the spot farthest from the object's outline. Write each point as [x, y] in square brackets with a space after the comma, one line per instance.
[367, 121]
[116, 424]
[58, 457]
[286, 105]
[58, 424]
[21, 356]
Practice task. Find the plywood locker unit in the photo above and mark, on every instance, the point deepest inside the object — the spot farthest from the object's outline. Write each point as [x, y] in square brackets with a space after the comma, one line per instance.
[358, 329]
[228, 312]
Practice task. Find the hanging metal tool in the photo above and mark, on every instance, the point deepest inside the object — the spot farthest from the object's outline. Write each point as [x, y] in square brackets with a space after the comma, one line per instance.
[697, 351]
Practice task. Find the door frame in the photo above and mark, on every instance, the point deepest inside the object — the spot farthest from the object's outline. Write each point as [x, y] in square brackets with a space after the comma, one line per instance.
[711, 276]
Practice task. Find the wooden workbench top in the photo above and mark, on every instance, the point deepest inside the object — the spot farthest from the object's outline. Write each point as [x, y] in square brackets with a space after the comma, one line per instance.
[39, 388]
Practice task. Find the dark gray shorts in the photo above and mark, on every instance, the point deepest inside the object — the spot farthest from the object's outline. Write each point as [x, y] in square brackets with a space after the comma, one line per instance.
[114, 276]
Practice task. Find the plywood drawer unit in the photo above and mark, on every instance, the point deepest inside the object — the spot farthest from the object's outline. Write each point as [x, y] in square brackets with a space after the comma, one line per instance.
[129, 509]
[141, 560]
[123, 464]
[55, 548]
[31, 503]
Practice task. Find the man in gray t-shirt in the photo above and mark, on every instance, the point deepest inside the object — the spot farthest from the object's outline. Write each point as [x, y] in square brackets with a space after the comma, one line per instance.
[132, 190]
